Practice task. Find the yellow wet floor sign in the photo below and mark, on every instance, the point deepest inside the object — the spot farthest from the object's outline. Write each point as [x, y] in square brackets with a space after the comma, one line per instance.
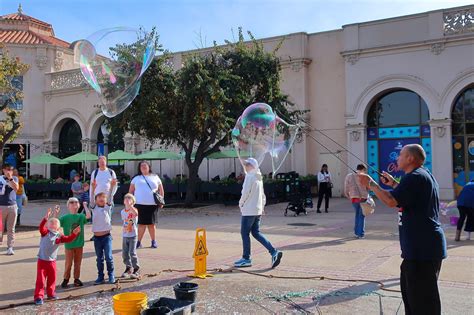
[200, 255]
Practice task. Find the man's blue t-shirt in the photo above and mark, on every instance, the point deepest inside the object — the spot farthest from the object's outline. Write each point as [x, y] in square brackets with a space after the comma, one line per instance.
[421, 235]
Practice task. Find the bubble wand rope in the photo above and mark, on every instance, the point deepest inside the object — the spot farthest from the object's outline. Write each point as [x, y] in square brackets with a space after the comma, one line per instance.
[337, 143]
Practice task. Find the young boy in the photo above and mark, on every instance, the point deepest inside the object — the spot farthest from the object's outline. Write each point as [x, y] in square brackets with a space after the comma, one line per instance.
[84, 197]
[251, 206]
[129, 245]
[74, 249]
[48, 251]
[101, 227]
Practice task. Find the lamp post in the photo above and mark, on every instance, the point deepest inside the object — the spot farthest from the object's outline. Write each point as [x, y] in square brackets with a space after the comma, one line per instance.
[105, 132]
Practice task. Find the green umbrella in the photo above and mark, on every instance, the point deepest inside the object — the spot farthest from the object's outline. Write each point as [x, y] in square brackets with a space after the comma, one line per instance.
[45, 158]
[226, 154]
[158, 155]
[82, 157]
[121, 156]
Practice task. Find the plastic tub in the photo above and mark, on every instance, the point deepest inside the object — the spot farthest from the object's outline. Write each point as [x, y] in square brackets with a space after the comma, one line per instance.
[158, 310]
[177, 307]
[129, 303]
[186, 291]
[454, 220]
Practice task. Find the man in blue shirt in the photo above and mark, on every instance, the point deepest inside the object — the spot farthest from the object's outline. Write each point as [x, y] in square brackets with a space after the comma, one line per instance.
[422, 240]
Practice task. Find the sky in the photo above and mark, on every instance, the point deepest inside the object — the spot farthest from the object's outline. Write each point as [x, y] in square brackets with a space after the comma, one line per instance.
[191, 24]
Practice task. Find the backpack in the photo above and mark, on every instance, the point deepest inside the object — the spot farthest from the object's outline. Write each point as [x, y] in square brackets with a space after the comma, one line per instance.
[97, 171]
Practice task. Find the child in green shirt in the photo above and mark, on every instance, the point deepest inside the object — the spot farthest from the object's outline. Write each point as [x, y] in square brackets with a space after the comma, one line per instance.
[74, 249]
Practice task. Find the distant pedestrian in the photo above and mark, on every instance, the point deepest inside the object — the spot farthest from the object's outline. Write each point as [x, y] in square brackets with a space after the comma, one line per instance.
[20, 195]
[325, 188]
[357, 193]
[8, 206]
[465, 205]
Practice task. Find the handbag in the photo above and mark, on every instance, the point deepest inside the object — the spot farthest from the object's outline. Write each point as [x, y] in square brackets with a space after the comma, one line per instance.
[368, 206]
[159, 199]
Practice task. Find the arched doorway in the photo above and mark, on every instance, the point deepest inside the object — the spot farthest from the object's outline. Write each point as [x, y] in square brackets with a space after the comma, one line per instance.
[463, 138]
[69, 143]
[396, 118]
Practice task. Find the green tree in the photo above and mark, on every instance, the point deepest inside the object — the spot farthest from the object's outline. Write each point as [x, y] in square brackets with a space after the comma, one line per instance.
[10, 124]
[197, 106]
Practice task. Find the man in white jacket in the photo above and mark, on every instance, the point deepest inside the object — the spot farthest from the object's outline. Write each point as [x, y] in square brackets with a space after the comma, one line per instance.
[251, 206]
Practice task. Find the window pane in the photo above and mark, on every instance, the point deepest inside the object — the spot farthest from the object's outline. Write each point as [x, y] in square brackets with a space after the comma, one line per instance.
[470, 129]
[425, 113]
[372, 116]
[467, 98]
[458, 129]
[399, 108]
[459, 160]
[458, 110]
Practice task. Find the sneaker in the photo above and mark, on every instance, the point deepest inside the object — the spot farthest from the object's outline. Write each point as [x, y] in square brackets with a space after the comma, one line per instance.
[64, 284]
[111, 279]
[78, 283]
[10, 251]
[243, 263]
[99, 280]
[136, 273]
[154, 244]
[276, 258]
[52, 298]
[139, 244]
[39, 302]
[127, 273]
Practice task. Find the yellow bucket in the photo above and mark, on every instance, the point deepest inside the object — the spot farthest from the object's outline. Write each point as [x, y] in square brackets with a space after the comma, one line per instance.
[130, 303]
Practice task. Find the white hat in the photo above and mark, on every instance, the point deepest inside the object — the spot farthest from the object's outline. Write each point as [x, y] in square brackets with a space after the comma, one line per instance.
[253, 162]
[72, 199]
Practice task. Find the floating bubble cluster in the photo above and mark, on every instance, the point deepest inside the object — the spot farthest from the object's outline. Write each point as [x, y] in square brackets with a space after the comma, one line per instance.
[259, 131]
[112, 62]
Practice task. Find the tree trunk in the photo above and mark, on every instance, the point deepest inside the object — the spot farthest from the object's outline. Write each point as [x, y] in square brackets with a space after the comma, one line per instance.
[192, 184]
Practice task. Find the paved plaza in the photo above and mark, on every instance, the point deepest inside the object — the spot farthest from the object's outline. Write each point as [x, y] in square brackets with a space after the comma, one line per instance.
[314, 245]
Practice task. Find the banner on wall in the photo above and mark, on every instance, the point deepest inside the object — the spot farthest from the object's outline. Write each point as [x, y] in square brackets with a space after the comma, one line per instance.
[389, 150]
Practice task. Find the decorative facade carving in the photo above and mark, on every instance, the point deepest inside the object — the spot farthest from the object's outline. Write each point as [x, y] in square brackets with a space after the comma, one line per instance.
[58, 61]
[439, 127]
[355, 135]
[440, 131]
[86, 144]
[41, 62]
[352, 58]
[458, 22]
[437, 48]
[67, 80]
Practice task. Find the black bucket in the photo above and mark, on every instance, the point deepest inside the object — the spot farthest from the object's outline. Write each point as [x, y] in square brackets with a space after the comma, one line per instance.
[186, 291]
[160, 310]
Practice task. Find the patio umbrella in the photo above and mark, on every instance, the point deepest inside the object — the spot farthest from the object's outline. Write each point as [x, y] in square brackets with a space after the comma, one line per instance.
[82, 157]
[159, 155]
[46, 159]
[120, 155]
[226, 154]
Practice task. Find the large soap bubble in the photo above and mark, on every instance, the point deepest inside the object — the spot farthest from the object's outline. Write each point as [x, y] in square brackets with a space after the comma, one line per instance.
[113, 61]
[259, 131]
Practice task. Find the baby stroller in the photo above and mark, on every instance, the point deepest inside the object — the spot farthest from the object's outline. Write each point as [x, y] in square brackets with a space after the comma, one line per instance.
[297, 204]
[294, 193]
[306, 192]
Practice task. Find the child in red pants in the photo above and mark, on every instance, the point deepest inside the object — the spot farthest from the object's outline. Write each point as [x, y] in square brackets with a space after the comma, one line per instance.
[48, 251]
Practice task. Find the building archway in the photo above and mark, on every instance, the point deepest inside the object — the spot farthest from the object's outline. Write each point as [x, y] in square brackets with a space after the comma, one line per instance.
[395, 118]
[69, 143]
[462, 115]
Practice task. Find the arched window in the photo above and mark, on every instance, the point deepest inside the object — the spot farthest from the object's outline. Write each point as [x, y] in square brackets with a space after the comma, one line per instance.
[70, 139]
[396, 118]
[463, 138]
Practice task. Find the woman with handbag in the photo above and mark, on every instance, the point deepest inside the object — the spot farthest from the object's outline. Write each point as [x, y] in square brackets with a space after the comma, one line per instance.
[358, 195]
[325, 187]
[149, 194]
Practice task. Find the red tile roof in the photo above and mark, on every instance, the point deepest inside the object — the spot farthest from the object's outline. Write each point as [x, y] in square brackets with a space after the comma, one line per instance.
[23, 17]
[29, 38]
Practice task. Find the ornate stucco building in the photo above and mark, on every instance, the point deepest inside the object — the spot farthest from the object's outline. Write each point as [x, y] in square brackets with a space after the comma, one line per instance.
[371, 87]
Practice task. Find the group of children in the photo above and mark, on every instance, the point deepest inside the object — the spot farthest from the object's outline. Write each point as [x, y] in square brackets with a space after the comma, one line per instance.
[73, 238]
